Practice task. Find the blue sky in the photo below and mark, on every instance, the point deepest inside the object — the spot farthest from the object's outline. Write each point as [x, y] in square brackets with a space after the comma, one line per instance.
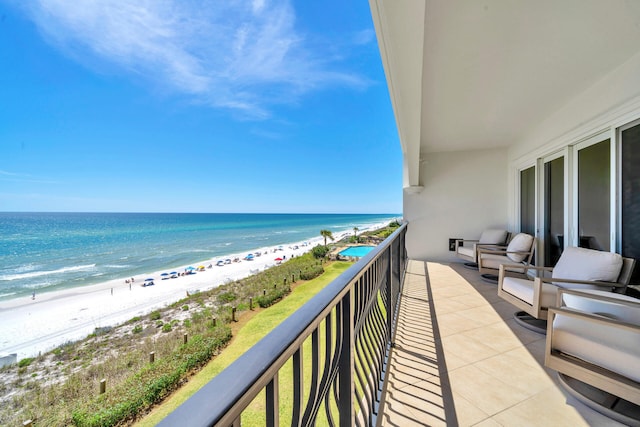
[194, 106]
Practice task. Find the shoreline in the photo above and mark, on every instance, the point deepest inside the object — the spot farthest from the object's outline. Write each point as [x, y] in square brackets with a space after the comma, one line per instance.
[33, 326]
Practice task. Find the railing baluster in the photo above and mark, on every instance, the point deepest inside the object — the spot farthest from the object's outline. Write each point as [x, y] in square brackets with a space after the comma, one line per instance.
[315, 369]
[298, 388]
[272, 402]
[345, 376]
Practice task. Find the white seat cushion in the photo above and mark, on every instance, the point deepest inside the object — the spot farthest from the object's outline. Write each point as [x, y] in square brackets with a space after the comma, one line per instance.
[523, 290]
[494, 261]
[587, 264]
[520, 243]
[602, 345]
[493, 237]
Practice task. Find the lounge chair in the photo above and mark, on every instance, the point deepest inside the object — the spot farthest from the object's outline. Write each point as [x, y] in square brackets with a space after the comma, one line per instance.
[577, 268]
[593, 339]
[516, 256]
[489, 238]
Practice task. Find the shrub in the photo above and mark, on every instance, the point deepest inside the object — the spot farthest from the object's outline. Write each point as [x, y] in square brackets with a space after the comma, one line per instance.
[320, 251]
[166, 327]
[137, 329]
[155, 315]
[25, 362]
[227, 297]
[185, 307]
[312, 272]
[271, 298]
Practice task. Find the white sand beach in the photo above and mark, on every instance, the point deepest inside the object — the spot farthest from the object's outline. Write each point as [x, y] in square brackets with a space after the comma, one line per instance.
[31, 326]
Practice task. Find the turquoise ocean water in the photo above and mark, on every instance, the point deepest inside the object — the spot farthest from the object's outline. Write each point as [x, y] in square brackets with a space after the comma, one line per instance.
[50, 251]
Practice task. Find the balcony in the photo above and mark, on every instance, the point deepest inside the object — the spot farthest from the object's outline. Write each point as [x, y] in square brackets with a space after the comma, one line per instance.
[457, 358]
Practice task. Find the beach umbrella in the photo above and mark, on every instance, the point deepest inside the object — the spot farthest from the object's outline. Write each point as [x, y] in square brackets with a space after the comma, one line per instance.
[190, 268]
[278, 259]
[164, 275]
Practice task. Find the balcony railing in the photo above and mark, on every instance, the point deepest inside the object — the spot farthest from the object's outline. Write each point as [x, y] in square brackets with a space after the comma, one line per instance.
[350, 325]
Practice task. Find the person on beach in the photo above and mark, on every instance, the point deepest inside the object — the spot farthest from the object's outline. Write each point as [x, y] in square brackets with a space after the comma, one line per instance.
[34, 295]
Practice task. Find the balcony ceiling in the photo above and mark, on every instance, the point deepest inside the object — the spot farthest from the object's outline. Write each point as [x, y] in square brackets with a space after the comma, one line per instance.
[480, 74]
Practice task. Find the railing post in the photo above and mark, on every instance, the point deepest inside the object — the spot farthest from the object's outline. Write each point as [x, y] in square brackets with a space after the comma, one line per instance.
[345, 375]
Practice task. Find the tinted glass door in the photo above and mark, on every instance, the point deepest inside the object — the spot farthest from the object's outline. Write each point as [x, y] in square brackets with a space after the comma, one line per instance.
[594, 196]
[630, 196]
[553, 210]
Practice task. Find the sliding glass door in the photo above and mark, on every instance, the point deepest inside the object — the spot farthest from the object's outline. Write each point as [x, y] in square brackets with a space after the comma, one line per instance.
[594, 196]
[554, 212]
[528, 201]
[630, 195]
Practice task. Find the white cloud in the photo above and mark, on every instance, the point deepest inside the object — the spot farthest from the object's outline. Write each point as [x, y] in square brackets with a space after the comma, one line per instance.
[233, 54]
[23, 177]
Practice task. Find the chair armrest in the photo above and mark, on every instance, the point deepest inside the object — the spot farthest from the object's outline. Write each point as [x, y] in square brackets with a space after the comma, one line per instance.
[490, 245]
[582, 282]
[633, 303]
[590, 318]
[502, 252]
[460, 242]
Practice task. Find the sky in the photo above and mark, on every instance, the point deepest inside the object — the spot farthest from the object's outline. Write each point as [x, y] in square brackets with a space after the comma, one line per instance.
[195, 106]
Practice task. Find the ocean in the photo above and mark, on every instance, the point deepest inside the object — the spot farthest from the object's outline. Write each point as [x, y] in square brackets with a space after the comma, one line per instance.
[51, 251]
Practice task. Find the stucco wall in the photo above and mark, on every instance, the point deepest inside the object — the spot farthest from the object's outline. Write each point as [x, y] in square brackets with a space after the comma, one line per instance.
[464, 193]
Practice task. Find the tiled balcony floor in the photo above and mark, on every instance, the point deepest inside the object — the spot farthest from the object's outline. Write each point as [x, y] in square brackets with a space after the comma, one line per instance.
[460, 359]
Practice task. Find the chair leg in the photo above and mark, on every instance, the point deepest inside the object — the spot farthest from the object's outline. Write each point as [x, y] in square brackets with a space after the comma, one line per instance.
[490, 278]
[612, 406]
[526, 320]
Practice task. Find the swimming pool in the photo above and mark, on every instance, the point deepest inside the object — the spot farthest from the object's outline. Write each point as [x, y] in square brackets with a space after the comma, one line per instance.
[356, 251]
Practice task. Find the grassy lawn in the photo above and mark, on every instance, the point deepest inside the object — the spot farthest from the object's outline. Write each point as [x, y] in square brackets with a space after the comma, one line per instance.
[255, 329]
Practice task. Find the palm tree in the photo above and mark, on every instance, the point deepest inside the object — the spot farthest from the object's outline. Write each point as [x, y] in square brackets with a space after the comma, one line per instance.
[355, 232]
[325, 234]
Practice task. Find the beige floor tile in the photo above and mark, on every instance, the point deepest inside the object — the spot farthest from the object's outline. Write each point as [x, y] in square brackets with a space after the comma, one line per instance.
[489, 422]
[466, 348]
[471, 299]
[497, 336]
[446, 305]
[550, 408]
[453, 323]
[516, 373]
[466, 413]
[482, 315]
[483, 390]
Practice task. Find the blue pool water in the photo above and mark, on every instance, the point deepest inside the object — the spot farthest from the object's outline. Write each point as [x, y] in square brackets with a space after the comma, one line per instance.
[356, 251]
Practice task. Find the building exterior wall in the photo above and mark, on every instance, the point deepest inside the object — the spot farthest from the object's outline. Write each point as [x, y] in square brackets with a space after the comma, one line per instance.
[464, 193]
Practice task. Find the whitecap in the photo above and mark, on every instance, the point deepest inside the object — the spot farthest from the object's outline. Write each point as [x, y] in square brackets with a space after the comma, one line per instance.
[10, 277]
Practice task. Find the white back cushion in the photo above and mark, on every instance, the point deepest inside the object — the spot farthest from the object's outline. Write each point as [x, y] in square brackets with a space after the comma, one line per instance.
[520, 243]
[493, 237]
[587, 264]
